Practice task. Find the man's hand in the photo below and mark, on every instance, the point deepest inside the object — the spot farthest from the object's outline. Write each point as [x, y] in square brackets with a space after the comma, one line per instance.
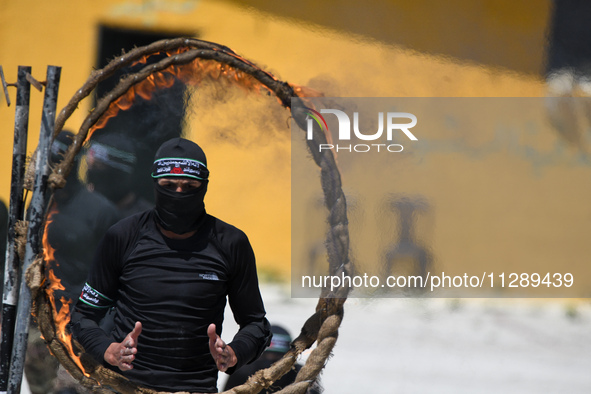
[122, 354]
[223, 354]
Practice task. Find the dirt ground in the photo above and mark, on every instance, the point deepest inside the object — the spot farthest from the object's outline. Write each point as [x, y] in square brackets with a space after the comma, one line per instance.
[449, 345]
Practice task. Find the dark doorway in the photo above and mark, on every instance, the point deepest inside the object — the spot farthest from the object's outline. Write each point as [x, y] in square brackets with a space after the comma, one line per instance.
[148, 123]
[113, 41]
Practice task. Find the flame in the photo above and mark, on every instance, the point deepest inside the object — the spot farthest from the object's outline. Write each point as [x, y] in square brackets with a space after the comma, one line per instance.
[62, 317]
[305, 91]
[191, 74]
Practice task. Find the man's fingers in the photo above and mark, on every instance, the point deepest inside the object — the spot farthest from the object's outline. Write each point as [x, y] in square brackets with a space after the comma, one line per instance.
[127, 356]
[131, 338]
[121, 354]
[222, 353]
[213, 336]
[129, 348]
[215, 342]
[220, 345]
[137, 330]
[128, 351]
[127, 359]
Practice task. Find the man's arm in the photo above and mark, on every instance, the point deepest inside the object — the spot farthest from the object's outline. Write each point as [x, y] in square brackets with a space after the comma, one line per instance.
[97, 297]
[247, 306]
[84, 322]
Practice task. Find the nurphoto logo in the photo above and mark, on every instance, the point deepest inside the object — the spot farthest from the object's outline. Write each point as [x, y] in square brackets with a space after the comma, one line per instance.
[394, 122]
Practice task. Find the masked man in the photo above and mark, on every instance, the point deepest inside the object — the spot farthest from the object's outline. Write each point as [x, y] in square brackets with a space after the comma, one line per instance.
[167, 273]
[111, 165]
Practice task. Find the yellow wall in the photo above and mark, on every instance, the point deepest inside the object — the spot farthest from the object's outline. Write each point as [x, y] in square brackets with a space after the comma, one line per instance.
[498, 33]
[64, 33]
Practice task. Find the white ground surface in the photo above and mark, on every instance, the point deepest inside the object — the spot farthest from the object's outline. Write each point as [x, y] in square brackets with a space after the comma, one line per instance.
[455, 346]
[448, 345]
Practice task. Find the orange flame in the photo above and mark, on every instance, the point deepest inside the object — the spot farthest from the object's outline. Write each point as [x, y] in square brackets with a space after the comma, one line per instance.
[62, 317]
[192, 74]
[305, 91]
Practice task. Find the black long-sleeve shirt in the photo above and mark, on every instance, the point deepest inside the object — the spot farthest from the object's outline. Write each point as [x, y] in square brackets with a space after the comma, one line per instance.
[175, 288]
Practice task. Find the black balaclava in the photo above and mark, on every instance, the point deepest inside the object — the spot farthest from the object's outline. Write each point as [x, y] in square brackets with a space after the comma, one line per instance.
[180, 212]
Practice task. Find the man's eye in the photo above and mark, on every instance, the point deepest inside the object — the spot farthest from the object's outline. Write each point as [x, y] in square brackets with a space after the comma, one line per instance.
[169, 186]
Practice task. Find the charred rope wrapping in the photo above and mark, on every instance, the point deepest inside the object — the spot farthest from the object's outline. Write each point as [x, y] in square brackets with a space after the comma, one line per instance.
[198, 48]
[20, 241]
[321, 327]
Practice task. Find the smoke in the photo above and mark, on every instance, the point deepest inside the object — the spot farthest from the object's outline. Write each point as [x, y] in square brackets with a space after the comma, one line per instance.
[246, 137]
[227, 114]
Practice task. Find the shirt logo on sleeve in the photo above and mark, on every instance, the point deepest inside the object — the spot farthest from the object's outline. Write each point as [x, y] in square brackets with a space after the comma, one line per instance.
[94, 298]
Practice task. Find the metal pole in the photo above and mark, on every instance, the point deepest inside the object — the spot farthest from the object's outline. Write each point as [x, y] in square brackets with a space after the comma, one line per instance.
[16, 213]
[36, 215]
[4, 86]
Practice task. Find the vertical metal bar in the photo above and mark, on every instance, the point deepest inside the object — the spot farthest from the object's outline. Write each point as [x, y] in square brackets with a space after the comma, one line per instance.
[16, 213]
[36, 215]
[4, 86]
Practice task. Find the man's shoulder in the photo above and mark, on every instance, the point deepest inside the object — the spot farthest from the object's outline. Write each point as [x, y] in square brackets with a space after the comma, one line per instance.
[225, 232]
[131, 224]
